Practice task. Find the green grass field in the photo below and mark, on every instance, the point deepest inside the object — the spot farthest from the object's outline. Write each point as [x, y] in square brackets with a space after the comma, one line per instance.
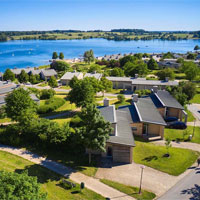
[190, 117]
[152, 155]
[5, 120]
[50, 181]
[130, 190]
[196, 99]
[174, 134]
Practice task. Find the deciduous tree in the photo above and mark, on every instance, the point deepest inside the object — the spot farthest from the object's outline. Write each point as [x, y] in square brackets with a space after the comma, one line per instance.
[94, 131]
[20, 186]
[8, 75]
[55, 55]
[53, 82]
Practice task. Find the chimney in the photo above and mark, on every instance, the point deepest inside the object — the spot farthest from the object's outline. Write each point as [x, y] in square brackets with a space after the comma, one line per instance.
[106, 102]
[136, 75]
[135, 98]
[166, 79]
[155, 89]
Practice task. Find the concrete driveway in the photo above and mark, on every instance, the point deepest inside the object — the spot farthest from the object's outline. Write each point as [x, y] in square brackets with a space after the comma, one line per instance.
[153, 180]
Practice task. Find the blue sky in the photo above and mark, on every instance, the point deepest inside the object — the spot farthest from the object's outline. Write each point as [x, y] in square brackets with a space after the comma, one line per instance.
[99, 14]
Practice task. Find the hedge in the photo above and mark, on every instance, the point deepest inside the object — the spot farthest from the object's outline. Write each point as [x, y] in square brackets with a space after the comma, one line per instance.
[51, 105]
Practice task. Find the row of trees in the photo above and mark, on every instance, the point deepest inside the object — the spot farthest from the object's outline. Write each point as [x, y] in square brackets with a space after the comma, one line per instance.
[22, 78]
[91, 132]
[55, 55]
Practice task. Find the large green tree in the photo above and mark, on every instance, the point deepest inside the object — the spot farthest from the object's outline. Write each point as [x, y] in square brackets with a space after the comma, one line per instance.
[126, 59]
[53, 82]
[82, 93]
[19, 106]
[60, 65]
[117, 72]
[23, 77]
[152, 64]
[94, 130]
[95, 68]
[190, 69]
[61, 55]
[88, 56]
[166, 73]
[136, 67]
[106, 85]
[54, 55]
[8, 75]
[20, 186]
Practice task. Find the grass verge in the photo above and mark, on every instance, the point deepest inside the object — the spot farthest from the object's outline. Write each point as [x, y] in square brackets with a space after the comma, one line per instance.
[50, 181]
[183, 135]
[129, 190]
[153, 156]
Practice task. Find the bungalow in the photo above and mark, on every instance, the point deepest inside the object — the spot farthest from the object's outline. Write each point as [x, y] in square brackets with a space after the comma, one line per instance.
[146, 119]
[17, 71]
[6, 88]
[94, 74]
[66, 78]
[46, 74]
[139, 83]
[167, 105]
[120, 145]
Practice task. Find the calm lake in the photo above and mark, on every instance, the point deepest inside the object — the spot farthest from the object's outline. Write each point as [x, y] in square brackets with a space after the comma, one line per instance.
[32, 53]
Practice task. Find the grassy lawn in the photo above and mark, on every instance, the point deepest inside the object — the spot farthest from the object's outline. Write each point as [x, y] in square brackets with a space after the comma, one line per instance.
[115, 91]
[174, 134]
[126, 102]
[5, 120]
[180, 76]
[50, 181]
[190, 117]
[152, 156]
[129, 190]
[43, 84]
[65, 87]
[196, 99]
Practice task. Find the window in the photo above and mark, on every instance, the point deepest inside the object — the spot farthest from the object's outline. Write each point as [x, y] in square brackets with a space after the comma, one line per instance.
[145, 129]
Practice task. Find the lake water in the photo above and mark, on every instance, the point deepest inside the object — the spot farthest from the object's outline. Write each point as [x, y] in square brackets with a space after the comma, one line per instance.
[19, 53]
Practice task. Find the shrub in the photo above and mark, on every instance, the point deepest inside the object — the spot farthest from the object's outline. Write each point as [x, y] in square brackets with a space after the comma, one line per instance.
[121, 98]
[47, 94]
[142, 92]
[51, 105]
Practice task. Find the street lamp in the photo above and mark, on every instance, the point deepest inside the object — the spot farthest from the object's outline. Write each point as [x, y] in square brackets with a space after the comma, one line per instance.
[142, 168]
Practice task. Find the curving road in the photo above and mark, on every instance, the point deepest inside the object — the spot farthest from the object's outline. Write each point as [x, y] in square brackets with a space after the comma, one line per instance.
[187, 188]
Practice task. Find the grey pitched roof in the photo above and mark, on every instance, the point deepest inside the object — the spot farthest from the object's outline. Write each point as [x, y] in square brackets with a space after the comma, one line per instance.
[108, 112]
[35, 71]
[49, 72]
[95, 75]
[142, 81]
[70, 75]
[167, 100]
[17, 71]
[124, 79]
[124, 133]
[147, 111]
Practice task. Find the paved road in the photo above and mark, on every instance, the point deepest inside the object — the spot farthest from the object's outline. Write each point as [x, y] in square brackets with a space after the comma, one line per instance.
[186, 189]
[195, 109]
